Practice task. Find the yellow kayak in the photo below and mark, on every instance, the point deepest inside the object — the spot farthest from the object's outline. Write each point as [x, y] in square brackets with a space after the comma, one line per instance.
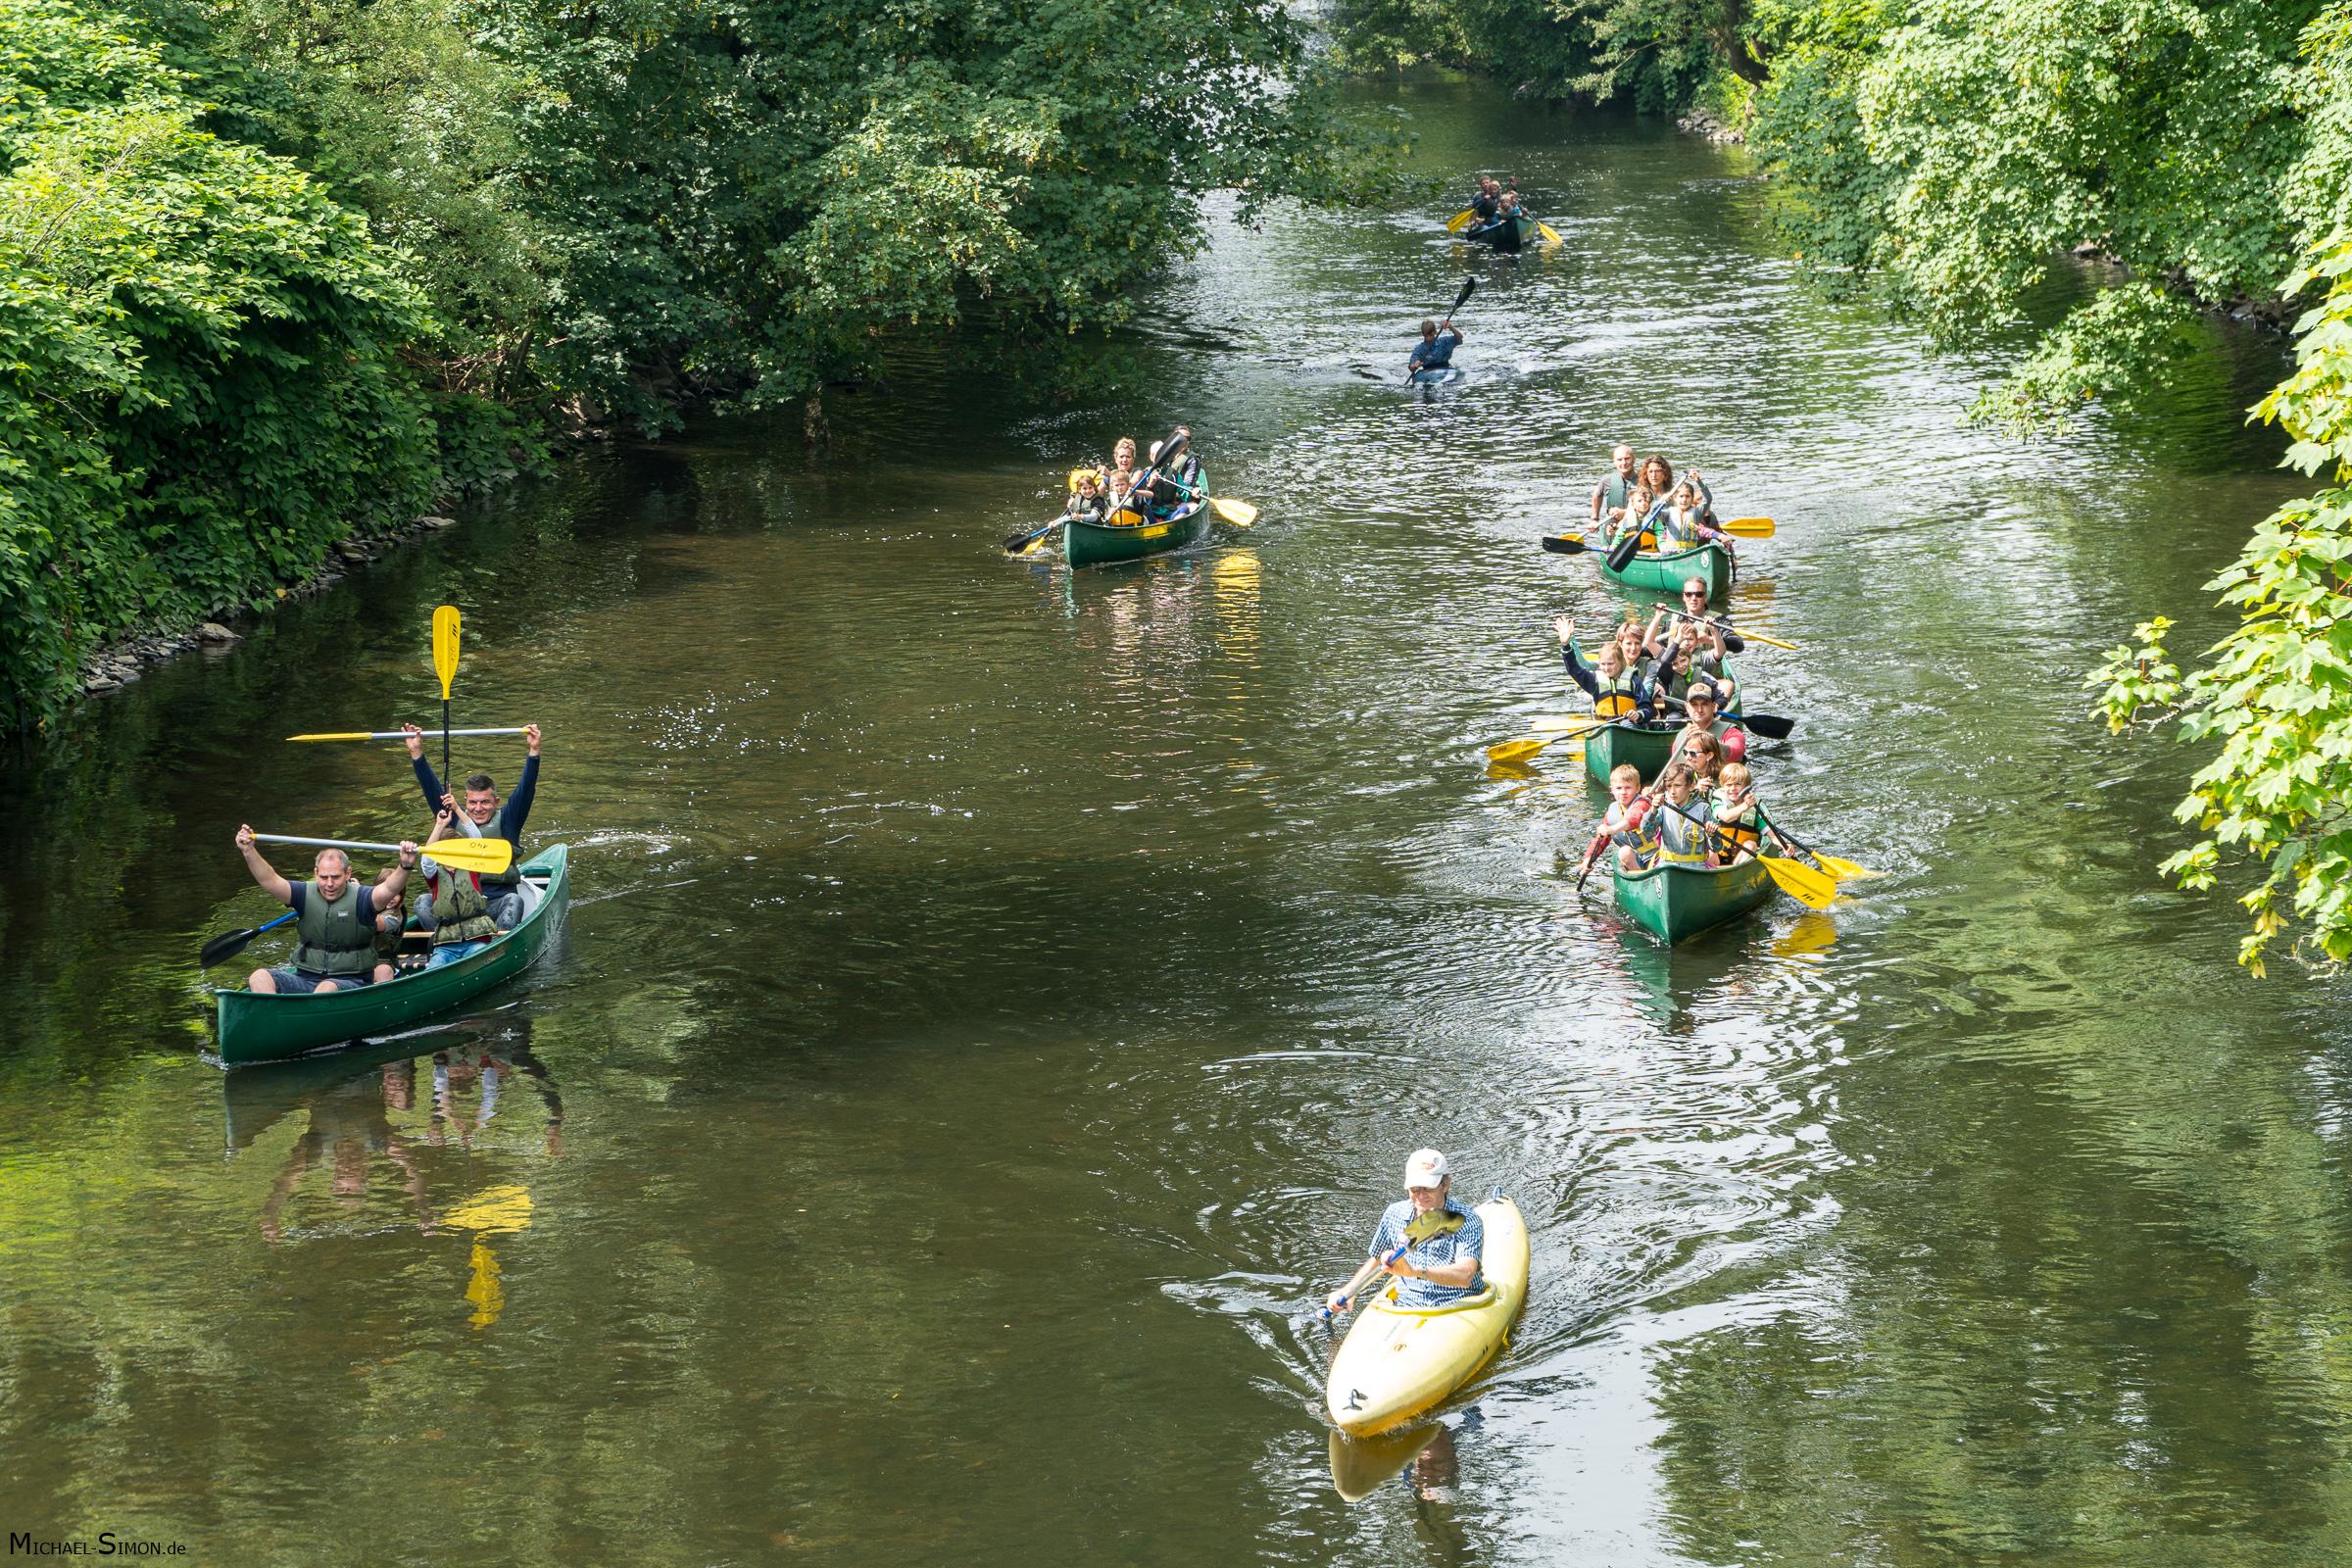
[1399, 1361]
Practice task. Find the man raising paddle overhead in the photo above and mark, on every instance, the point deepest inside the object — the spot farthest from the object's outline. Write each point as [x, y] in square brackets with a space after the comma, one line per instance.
[481, 816]
[334, 916]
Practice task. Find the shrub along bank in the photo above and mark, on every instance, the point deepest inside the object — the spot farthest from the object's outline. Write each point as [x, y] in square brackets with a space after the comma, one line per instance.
[280, 274]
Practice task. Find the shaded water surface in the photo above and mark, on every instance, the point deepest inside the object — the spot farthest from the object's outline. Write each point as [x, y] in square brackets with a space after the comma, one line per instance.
[996, 1000]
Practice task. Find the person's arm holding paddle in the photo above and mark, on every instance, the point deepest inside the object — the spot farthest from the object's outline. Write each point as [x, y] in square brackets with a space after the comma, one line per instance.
[264, 873]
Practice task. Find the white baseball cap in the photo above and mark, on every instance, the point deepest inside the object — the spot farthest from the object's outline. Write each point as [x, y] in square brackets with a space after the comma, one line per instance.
[1426, 1167]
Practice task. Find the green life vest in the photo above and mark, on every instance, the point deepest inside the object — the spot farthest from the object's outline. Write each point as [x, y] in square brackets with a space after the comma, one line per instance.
[1614, 490]
[337, 937]
[459, 913]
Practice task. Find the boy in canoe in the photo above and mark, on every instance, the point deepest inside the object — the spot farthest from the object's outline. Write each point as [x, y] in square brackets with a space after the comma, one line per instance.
[482, 815]
[1429, 1241]
[334, 922]
[1739, 816]
[1435, 351]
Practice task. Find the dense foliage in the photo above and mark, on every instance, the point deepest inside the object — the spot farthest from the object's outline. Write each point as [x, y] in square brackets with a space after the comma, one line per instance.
[1647, 54]
[283, 269]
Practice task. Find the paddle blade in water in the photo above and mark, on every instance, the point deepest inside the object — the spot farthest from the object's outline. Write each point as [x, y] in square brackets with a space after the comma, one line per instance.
[1240, 513]
[1459, 220]
[492, 855]
[1750, 527]
[1815, 890]
[445, 646]
[226, 946]
[1565, 544]
[1550, 237]
[1843, 869]
[1509, 753]
[1771, 726]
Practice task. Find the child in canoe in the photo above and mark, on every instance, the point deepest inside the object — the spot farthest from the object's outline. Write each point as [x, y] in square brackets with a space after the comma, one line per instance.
[1674, 831]
[1739, 816]
[1700, 647]
[1086, 496]
[1620, 823]
[1681, 520]
[1617, 690]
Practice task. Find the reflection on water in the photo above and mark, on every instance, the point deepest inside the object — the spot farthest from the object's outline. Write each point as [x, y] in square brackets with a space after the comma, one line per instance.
[382, 1155]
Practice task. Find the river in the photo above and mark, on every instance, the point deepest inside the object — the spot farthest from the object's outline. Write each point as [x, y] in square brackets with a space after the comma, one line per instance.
[998, 1001]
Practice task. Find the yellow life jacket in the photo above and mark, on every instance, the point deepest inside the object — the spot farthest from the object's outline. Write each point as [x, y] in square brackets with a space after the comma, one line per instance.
[1615, 697]
[1741, 830]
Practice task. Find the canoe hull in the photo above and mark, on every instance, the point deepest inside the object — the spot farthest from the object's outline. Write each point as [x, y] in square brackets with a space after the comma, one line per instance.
[1396, 1364]
[1444, 376]
[1089, 544]
[1614, 744]
[253, 1028]
[1651, 573]
[1675, 903]
[1516, 235]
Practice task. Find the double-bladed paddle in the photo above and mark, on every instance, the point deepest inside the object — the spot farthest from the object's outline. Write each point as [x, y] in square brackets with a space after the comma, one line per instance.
[229, 944]
[1771, 726]
[1469, 286]
[490, 855]
[1435, 1222]
[394, 735]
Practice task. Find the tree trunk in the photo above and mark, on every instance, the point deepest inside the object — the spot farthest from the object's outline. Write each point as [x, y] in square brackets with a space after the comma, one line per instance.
[1736, 54]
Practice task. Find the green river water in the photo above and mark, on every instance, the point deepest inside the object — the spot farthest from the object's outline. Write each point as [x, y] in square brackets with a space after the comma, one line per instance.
[997, 1002]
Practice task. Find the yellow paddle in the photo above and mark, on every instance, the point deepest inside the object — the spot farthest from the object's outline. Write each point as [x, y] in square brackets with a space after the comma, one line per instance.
[1459, 220]
[1519, 751]
[1545, 229]
[1240, 513]
[1830, 863]
[1750, 527]
[445, 666]
[491, 855]
[1815, 890]
[390, 734]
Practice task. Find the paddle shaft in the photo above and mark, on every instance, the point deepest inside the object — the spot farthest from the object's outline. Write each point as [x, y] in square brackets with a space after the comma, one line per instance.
[328, 843]
[1733, 642]
[400, 734]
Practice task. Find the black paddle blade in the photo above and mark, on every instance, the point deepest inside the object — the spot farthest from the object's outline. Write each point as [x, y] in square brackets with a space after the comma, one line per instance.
[226, 946]
[1622, 553]
[1015, 544]
[1771, 726]
[1469, 287]
[1559, 543]
[1733, 642]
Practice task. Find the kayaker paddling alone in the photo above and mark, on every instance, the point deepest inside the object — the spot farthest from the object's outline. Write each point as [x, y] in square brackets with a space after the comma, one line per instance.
[1429, 1243]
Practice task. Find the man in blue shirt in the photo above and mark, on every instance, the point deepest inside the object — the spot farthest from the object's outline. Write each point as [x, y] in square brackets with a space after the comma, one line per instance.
[1435, 351]
[1429, 1241]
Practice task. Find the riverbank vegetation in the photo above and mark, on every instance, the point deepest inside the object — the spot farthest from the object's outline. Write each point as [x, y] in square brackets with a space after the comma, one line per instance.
[282, 273]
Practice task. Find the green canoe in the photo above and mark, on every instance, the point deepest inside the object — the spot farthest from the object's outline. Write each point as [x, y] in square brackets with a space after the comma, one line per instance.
[1626, 740]
[1521, 232]
[1675, 902]
[1087, 544]
[253, 1027]
[1666, 574]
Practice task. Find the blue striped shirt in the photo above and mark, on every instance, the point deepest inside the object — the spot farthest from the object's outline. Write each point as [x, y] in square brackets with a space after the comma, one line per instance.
[1468, 1241]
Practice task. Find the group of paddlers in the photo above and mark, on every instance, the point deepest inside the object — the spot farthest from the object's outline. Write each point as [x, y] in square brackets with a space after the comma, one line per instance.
[350, 934]
[1119, 497]
[1702, 809]
[1676, 514]
[1496, 211]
